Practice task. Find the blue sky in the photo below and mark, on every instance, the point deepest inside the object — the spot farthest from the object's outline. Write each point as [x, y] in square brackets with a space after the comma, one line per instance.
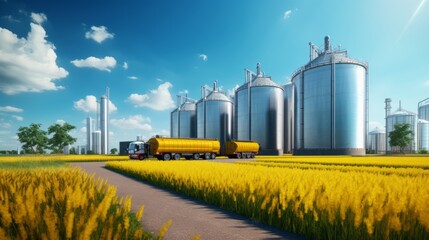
[57, 57]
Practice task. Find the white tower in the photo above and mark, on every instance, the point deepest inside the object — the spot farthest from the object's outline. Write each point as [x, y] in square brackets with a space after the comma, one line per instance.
[104, 122]
[89, 130]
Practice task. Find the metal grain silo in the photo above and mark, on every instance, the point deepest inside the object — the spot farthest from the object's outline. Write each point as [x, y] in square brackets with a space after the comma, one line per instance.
[259, 112]
[330, 103]
[401, 116]
[214, 115]
[423, 108]
[288, 117]
[183, 119]
[422, 135]
[377, 141]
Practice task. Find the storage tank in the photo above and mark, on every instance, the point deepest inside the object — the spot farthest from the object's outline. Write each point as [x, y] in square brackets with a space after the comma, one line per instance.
[288, 117]
[422, 135]
[214, 115]
[183, 119]
[401, 116]
[259, 112]
[423, 107]
[330, 104]
[377, 141]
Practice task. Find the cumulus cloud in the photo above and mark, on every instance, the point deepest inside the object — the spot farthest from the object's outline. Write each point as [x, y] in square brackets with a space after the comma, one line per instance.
[125, 65]
[157, 99]
[98, 34]
[83, 129]
[133, 77]
[28, 64]
[60, 122]
[287, 14]
[89, 105]
[203, 57]
[10, 109]
[105, 64]
[38, 18]
[137, 122]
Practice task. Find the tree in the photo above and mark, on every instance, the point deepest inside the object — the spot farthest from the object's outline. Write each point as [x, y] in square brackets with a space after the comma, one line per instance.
[113, 151]
[60, 137]
[73, 150]
[32, 138]
[401, 136]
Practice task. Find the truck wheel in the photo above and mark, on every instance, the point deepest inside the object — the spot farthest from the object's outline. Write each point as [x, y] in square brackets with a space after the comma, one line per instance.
[176, 156]
[141, 157]
[238, 155]
[213, 156]
[207, 156]
[166, 156]
[159, 157]
[252, 155]
[196, 156]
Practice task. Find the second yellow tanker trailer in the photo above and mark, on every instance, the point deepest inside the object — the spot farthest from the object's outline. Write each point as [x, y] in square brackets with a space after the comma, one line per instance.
[189, 148]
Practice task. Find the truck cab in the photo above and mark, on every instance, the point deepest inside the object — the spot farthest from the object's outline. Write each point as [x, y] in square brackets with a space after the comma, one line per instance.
[138, 150]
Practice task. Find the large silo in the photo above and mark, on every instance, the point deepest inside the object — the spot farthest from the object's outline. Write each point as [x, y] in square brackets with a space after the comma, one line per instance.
[259, 112]
[377, 141]
[214, 116]
[423, 108]
[401, 116]
[288, 117]
[104, 125]
[330, 103]
[422, 135]
[183, 119]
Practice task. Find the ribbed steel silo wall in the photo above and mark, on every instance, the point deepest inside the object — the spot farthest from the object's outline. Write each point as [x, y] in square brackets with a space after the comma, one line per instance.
[288, 117]
[187, 124]
[242, 115]
[423, 135]
[377, 143]
[424, 111]
[200, 119]
[267, 119]
[218, 120]
[174, 129]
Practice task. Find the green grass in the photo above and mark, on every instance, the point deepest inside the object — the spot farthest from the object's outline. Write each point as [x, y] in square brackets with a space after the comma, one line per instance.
[32, 164]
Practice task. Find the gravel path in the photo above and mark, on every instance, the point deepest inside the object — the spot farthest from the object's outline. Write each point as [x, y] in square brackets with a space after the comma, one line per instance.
[190, 217]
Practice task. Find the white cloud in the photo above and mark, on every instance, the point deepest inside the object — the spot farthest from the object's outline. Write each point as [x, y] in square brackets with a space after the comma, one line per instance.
[287, 14]
[83, 129]
[89, 105]
[137, 122]
[10, 109]
[98, 34]
[125, 65]
[183, 92]
[60, 122]
[4, 124]
[159, 80]
[426, 83]
[133, 77]
[203, 57]
[38, 18]
[28, 64]
[18, 118]
[159, 99]
[105, 64]
[231, 92]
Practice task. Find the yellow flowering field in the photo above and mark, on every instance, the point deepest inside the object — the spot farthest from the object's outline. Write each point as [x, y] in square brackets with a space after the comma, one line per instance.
[317, 203]
[65, 158]
[420, 161]
[63, 203]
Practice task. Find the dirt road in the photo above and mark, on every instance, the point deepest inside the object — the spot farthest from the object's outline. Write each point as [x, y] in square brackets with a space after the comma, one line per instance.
[190, 217]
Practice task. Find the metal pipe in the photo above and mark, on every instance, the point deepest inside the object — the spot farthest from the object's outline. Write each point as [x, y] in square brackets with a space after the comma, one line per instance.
[327, 44]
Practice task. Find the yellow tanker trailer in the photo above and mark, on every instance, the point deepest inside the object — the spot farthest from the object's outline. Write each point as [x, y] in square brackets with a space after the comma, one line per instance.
[175, 148]
[241, 149]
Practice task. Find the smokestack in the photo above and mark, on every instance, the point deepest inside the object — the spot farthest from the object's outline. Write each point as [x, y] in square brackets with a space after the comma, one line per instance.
[215, 86]
[327, 44]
